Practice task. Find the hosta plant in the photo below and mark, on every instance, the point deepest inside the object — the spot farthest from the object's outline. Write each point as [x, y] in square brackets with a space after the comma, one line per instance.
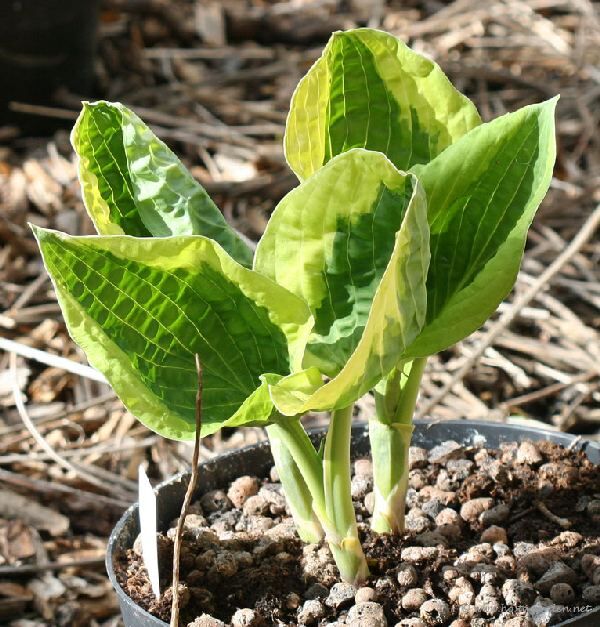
[405, 232]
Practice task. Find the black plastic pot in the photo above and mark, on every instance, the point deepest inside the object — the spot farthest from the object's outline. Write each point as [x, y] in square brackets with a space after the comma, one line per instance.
[45, 45]
[256, 460]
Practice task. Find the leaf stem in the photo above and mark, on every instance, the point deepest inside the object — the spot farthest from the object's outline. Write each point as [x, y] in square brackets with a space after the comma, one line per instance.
[390, 435]
[347, 552]
[291, 434]
[295, 489]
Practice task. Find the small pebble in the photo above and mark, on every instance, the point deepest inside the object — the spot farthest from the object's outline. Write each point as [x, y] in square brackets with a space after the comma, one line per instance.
[562, 593]
[316, 591]
[485, 573]
[283, 532]
[434, 612]
[449, 523]
[558, 572]
[193, 521]
[417, 523]
[215, 501]
[501, 549]
[311, 612]
[275, 499]
[537, 560]
[292, 601]
[591, 594]
[460, 468]
[494, 534]
[163, 546]
[479, 553]
[429, 493]
[360, 486]
[365, 594]
[206, 620]
[246, 617]
[412, 498]
[256, 505]
[589, 563]
[341, 595]
[241, 489]
[417, 479]
[367, 614]
[471, 510]
[544, 612]
[487, 601]
[441, 453]
[444, 482]
[496, 515]
[593, 508]
[417, 457]
[415, 554]
[462, 592]
[363, 468]
[528, 453]
[413, 599]
[410, 622]
[569, 539]
[384, 586]
[449, 573]
[447, 516]
[432, 508]
[407, 575]
[518, 592]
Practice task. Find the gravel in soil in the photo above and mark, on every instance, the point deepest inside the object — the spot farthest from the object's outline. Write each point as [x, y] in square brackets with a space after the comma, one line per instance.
[493, 537]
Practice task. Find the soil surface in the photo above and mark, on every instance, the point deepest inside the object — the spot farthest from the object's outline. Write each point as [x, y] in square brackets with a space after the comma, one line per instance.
[494, 537]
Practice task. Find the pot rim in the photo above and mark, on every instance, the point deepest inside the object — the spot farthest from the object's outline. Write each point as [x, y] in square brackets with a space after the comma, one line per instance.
[475, 429]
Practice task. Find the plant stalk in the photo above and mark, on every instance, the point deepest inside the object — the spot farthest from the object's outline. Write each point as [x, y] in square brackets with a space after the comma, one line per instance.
[389, 449]
[290, 434]
[347, 550]
[390, 436]
[296, 492]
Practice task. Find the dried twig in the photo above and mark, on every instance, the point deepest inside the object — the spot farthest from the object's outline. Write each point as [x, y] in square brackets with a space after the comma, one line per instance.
[51, 360]
[61, 461]
[565, 523]
[32, 569]
[187, 500]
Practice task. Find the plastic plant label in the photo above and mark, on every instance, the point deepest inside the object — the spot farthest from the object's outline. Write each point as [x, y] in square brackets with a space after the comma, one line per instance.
[147, 514]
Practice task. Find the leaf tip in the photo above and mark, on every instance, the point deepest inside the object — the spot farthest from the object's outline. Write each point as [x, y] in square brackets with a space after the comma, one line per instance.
[38, 232]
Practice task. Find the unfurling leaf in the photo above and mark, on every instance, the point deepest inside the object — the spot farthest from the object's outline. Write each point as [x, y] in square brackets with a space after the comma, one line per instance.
[369, 90]
[352, 241]
[482, 194]
[133, 184]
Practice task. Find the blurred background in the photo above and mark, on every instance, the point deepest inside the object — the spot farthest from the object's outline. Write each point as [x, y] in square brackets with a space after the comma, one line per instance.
[214, 80]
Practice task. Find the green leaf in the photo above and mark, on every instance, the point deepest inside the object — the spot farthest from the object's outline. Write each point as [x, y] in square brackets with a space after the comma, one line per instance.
[142, 308]
[369, 90]
[352, 241]
[134, 184]
[482, 194]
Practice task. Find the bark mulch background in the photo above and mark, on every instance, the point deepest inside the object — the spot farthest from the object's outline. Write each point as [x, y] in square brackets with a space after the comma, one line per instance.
[215, 79]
